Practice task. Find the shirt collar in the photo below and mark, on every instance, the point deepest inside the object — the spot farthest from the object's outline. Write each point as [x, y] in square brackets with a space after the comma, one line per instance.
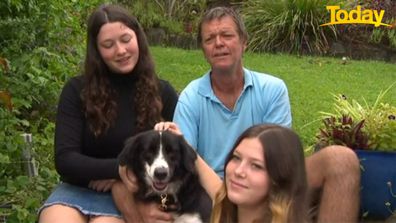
[205, 87]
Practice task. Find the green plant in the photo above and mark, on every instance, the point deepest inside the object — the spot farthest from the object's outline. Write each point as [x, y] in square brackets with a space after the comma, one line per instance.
[357, 34]
[288, 25]
[342, 131]
[167, 14]
[385, 34]
[379, 119]
[40, 49]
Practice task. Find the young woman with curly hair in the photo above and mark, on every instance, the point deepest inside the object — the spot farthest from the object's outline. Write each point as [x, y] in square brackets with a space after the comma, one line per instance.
[117, 95]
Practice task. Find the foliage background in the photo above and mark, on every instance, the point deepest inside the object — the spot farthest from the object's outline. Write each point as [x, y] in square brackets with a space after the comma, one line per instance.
[288, 26]
[42, 44]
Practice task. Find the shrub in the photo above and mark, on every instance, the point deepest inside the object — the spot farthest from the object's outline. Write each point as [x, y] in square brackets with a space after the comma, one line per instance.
[288, 25]
[40, 49]
[377, 121]
[357, 34]
[170, 15]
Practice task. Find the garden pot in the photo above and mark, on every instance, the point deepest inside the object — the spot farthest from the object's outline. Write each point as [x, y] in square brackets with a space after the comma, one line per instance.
[378, 184]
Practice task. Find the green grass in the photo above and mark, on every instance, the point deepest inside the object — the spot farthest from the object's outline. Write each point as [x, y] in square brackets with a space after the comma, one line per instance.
[310, 80]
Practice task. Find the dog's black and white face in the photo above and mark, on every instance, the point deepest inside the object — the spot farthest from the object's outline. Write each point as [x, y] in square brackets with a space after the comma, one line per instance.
[164, 166]
[159, 168]
[161, 161]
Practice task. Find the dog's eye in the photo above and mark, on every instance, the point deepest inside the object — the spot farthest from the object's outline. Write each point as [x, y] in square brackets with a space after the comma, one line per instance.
[170, 153]
[147, 157]
[167, 150]
[171, 156]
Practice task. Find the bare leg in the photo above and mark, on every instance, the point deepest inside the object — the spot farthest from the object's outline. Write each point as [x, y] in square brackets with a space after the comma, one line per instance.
[106, 219]
[61, 214]
[336, 171]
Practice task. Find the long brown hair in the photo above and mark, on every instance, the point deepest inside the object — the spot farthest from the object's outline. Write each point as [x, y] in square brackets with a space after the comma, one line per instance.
[284, 158]
[98, 97]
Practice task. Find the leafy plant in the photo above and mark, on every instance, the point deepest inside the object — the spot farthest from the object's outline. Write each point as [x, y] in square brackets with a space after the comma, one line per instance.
[288, 25]
[342, 131]
[167, 14]
[379, 119]
[385, 34]
[40, 49]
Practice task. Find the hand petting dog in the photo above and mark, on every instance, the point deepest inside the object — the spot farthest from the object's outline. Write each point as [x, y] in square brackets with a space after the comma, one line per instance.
[171, 126]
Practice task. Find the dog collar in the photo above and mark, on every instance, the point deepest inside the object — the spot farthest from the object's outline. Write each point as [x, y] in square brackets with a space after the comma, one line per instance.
[164, 199]
[168, 203]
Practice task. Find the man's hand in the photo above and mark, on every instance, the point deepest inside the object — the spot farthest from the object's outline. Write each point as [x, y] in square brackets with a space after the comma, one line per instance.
[171, 126]
[101, 185]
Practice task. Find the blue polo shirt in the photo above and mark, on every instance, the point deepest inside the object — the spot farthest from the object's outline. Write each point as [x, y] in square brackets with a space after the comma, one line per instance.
[211, 128]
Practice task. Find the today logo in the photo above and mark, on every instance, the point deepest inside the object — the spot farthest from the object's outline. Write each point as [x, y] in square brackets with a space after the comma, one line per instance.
[367, 16]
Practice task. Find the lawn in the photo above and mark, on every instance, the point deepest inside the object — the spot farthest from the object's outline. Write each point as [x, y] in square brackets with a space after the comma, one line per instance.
[311, 80]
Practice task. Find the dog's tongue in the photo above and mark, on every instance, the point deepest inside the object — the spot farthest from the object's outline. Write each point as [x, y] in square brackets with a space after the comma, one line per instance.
[160, 186]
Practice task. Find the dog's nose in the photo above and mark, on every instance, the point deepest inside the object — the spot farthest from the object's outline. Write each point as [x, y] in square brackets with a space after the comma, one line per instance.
[160, 173]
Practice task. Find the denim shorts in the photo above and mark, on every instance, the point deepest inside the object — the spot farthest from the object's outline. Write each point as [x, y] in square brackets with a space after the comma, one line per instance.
[88, 202]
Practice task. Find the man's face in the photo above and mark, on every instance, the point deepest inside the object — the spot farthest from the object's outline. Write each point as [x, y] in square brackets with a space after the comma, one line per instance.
[222, 46]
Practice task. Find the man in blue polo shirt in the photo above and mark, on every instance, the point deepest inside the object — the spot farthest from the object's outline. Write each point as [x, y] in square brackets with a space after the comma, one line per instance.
[215, 109]
[211, 126]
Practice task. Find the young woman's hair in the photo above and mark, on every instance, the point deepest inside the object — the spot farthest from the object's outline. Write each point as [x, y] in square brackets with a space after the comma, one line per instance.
[218, 13]
[98, 97]
[284, 160]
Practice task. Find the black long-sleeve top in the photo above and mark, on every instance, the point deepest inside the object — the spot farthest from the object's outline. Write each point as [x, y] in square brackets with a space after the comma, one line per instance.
[80, 156]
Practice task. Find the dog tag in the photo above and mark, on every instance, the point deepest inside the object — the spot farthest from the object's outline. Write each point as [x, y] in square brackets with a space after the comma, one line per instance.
[164, 199]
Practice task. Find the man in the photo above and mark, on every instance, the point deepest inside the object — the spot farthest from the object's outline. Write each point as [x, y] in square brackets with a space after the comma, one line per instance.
[215, 109]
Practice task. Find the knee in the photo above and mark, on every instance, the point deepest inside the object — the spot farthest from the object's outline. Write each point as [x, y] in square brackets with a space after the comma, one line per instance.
[341, 154]
[61, 213]
[341, 160]
[106, 219]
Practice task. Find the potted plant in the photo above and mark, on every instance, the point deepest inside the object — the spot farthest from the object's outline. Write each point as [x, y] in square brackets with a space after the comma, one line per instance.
[369, 130]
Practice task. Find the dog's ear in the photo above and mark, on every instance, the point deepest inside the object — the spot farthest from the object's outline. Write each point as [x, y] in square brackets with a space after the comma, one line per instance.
[130, 153]
[128, 162]
[127, 154]
[188, 155]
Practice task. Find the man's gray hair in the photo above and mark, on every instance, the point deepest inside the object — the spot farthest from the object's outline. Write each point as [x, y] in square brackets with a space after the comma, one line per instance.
[220, 12]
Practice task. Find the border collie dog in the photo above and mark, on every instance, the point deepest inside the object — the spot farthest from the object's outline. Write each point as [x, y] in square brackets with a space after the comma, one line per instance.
[164, 165]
